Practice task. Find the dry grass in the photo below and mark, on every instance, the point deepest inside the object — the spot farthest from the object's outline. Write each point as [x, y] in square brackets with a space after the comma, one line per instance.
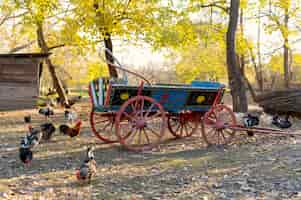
[179, 169]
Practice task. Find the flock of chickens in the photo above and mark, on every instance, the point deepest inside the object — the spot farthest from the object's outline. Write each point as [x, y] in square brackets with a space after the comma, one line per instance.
[44, 133]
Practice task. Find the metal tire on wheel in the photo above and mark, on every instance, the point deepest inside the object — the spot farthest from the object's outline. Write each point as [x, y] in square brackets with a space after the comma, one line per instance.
[102, 125]
[182, 124]
[140, 123]
[216, 125]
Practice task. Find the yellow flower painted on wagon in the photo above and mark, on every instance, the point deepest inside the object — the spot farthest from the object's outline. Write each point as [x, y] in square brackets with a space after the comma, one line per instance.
[124, 96]
[200, 99]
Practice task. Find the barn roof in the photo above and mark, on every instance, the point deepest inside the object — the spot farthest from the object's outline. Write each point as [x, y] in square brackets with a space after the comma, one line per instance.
[25, 55]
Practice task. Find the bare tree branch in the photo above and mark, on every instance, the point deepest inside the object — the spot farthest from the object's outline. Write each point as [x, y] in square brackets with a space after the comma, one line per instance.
[19, 48]
[9, 16]
[56, 46]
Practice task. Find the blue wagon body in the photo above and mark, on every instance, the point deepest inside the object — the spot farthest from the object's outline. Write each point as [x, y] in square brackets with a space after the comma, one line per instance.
[198, 96]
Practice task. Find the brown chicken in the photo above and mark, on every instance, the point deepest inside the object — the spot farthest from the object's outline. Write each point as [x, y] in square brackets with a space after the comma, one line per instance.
[71, 131]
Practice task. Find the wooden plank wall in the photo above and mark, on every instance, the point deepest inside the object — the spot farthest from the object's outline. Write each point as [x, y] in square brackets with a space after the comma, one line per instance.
[18, 83]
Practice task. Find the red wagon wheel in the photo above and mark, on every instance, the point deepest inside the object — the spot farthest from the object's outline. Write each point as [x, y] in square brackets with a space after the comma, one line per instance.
[140, 123]
[216, 126]
[182, 124]
[102, 125]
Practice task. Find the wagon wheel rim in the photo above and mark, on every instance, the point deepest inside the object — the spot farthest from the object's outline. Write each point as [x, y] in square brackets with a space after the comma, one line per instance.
[140, 123]
[102, 125]
[182, 125]
[216, 126]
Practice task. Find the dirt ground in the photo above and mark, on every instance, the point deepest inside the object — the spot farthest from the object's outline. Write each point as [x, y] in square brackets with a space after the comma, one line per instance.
[263, 167]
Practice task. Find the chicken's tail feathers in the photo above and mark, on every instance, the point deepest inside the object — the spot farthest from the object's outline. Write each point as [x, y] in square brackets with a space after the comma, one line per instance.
[77, 174]
[78, 123]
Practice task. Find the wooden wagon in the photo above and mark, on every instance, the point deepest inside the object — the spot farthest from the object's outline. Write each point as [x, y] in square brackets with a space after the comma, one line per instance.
[137, 117]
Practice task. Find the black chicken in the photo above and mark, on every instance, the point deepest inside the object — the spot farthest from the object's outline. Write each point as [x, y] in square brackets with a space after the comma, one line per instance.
[27, 119]
[47, 112]
[88, 168]
[282, 123]
[25, 153]
[250, 121]
[47, 130]
[34, 137]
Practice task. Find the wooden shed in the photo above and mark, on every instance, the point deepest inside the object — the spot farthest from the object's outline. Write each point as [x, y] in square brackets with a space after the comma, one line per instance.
[19, 80]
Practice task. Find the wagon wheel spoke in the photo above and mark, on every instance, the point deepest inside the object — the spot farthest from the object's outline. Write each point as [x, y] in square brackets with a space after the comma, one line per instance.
[102, 126]
[146, 136]
[189, 125]
[178, 127]
[222, 133]
[139, 137]
[186, 129]
[129, 116]
[155, 115]
[152, 131]
[141, 109]
[181, 130]
[149, 110]
[132, 136]
[129, 132]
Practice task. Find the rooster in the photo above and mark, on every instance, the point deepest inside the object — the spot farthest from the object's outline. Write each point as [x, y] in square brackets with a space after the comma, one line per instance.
[25, 153]
[71, 131]
[281, 123]
[47, 130]
[47, 112]
[88, 168]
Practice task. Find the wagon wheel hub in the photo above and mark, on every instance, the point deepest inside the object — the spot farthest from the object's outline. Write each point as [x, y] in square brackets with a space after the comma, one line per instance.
[219, 125]
[140, 123]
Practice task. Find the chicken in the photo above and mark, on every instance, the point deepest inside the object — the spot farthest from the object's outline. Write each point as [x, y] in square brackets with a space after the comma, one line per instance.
[250, 120]
[47, 112]
[25, 153]
[47, 130]
[71, 131]
[71, 116]
[34, 137]
[281, 123]
[27, 119]
[88, 169]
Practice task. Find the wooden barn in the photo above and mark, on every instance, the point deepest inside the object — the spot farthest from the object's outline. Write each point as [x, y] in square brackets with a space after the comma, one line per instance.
[19, 80]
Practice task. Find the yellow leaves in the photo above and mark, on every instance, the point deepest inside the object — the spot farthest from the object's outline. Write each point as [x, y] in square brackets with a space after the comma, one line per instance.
[95, 70]
[285, 4]
[202, 63]
[243, 4]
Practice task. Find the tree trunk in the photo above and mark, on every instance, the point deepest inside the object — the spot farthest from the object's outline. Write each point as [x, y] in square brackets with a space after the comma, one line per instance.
[109, 58]
[242, 56]
[107, 37]
[259, 67]
[44, 49]
[236, 82]
[286, 53]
